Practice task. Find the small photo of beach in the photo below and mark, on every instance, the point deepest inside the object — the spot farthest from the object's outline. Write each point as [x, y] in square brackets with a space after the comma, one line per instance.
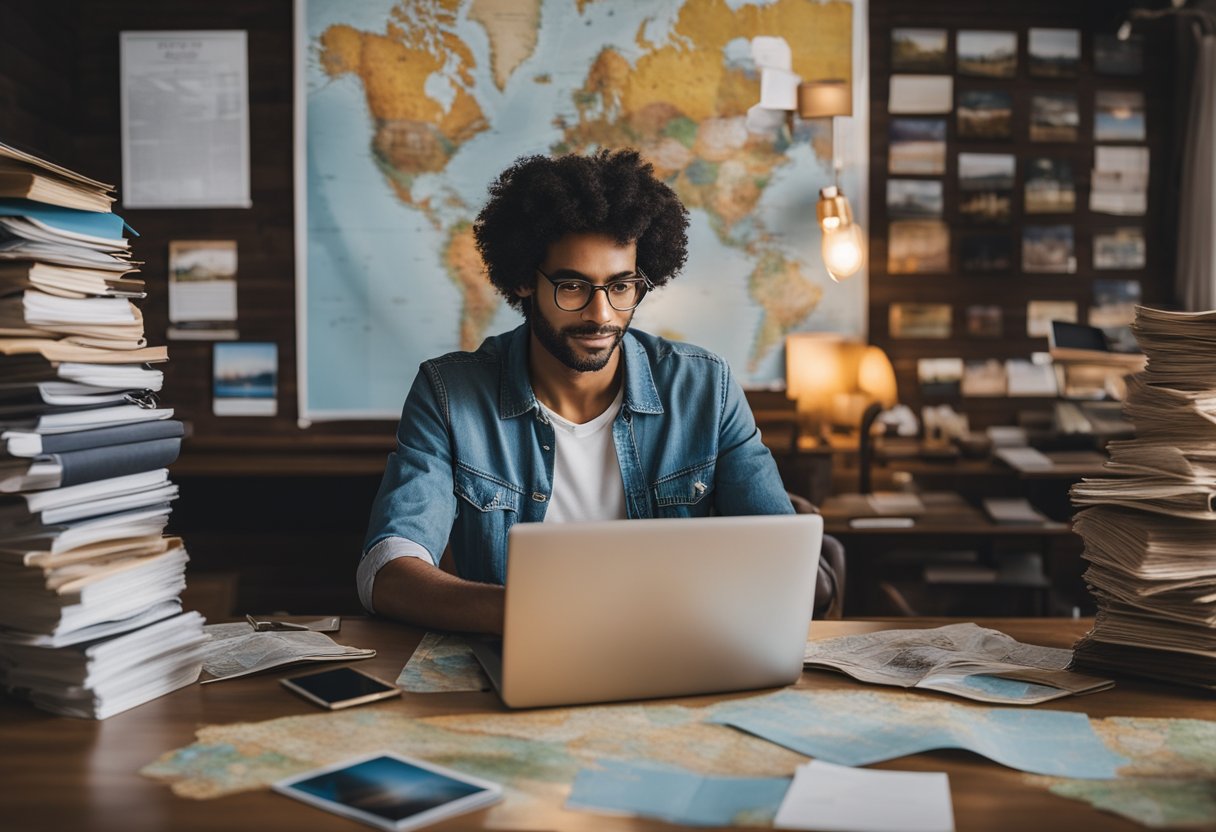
[1119, 116]
[1054, 53]
[987, 54]
[919, 50]
[1054, 117]
[1049, 187]
[918, 146]
[245, 379]
[985, 114]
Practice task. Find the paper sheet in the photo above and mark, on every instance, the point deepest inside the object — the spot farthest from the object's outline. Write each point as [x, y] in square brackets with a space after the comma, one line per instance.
[843, 799]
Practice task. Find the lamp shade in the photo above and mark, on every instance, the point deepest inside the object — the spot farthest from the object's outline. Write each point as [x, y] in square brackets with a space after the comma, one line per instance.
[876, 377]
[825, 98]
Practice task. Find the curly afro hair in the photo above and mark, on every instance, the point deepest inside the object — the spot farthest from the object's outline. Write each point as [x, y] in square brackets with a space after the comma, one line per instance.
[539, 200]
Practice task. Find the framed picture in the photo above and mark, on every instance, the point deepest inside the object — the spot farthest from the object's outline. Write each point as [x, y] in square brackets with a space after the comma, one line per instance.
[921, 94]
[1049, 186]
[1048, 248]
[986, 253]
[920, 320]
[918, 247]
[987, 54]
[245, 379]
[984, 321]
[1120, 248]
[914, 199]
[1118, 57]
[1119, 116]
[919, 50]
[939, 377]
[1040, 314]
[202, 289]
[985, 114]
[1054, 53]
[985, 183]
[918, 146]
[1054, 117]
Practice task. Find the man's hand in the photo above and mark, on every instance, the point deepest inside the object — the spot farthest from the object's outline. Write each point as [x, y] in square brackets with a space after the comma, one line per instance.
[414, 591]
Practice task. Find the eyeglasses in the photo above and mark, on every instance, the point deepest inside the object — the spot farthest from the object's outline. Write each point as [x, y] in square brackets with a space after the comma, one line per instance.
[572, 294]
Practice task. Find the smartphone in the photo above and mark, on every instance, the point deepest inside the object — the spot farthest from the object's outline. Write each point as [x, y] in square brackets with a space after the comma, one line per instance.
[341, 687]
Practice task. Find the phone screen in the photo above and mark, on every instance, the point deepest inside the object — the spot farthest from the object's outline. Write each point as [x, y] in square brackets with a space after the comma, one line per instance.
[340, 684]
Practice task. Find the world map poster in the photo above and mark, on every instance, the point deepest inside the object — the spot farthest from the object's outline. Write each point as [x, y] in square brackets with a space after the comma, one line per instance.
[408, 109]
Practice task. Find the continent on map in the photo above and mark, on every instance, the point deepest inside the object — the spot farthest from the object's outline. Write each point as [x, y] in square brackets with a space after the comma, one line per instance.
[512, 26]
[479, 297]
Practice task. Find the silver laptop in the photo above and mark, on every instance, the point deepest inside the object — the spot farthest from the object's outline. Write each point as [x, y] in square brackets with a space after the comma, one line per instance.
[600, 612]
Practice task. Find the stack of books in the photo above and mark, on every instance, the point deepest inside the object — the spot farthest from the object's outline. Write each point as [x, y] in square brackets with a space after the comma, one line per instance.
[1149, 534]
[90, 618]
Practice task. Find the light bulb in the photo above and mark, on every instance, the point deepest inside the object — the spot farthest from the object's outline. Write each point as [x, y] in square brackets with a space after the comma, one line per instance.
[843, 251]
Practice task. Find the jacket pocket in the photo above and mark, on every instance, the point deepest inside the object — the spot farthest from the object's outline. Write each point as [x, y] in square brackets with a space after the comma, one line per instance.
[488, 510]
[686, 493]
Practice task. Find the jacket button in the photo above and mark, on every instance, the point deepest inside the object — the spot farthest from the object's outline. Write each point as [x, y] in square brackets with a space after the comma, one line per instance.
[540, 498]
[546, 447]
[699, 487]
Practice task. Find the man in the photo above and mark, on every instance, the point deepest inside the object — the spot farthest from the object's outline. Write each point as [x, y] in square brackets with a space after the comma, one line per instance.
[572, 416]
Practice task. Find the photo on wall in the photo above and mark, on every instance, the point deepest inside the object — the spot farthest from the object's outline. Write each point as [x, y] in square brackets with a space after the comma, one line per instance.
[202, 290]
[985, 184]
[918, 247]
[1048, 248]
[986, 253]
[939, 377]
[1049, 188]
[921, 94]
[1040, 314]
[985, 377]
[1118, 57]
[245, 379]
[1119, 116]
[1054, 117]
[985, 114]
[914, 199]
[1120, 248]
[1054, 53]
[920, 320]
[984, 321]
[919, 50]
[918, 146]
[1114, 303]
[987, 54]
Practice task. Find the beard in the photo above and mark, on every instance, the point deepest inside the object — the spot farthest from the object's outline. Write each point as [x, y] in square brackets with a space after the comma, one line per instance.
[557, 341]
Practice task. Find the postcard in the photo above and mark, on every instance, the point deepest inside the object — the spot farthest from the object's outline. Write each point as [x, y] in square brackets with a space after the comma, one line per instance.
[1120, 180]
[1119, 116]
[914, 199]
[985, 183]
[918, 146]
[1040, 314]
[202, 289]
[245, 379]
[921, 94]
[985, 114]
[986, 253]
[1049, 188]
[919, 50]
[939, 377]
[1114, 303]
[987, 54]
[918, 247]
[1121, 248]
[1054, 53]
[1036, 377]
[1118, 57]
[984, 321]
[1048, 248]
[920, 320]
[984, 378]
[1054, 117]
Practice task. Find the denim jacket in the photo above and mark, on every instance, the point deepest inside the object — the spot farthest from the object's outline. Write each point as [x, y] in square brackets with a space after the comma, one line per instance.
[475, 451]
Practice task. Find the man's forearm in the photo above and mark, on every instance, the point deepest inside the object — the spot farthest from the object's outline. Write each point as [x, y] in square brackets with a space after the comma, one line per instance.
[418, 593]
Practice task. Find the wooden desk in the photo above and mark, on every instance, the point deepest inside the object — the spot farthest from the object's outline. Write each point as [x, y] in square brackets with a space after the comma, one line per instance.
[61, 773]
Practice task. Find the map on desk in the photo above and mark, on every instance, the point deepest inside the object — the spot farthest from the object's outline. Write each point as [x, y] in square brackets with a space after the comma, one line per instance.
[1166, 775]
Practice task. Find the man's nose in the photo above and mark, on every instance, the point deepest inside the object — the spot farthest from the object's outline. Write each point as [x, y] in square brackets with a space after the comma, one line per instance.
[598, 309]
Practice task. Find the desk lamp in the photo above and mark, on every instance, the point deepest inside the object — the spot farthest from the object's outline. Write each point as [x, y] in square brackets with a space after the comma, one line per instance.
[876, 379]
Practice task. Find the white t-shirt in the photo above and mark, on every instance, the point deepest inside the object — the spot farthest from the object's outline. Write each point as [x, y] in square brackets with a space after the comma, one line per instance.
[587, 482]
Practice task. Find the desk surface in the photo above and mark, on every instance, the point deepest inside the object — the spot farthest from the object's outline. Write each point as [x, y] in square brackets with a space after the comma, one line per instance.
[946, 513]
[61, 773]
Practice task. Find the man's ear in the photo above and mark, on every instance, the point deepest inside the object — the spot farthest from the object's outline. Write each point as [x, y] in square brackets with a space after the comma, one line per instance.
[524, 291]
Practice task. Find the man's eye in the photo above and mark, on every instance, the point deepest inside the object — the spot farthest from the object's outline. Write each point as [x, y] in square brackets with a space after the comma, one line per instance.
[570, 288]
[622, 288]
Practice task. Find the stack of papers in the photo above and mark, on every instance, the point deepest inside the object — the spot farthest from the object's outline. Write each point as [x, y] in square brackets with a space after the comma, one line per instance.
[238, 649]
[1148, 533]
[90, 621]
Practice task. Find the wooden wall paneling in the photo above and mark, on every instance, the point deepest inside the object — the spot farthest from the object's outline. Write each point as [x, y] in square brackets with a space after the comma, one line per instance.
[37, 73]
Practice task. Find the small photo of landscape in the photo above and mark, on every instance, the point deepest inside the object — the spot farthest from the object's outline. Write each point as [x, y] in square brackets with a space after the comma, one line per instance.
[918, 247]
[919, 50]
[914, 199]
[1119, 116]
[985, 114]
[985, 183]
[1054, 117]
[918, 146]
[1054, 53]
[1049, 187]
[984, 321]
[987, 54]
[1048, 248]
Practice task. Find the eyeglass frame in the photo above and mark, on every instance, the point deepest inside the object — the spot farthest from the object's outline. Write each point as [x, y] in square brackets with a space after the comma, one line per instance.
[647, 285]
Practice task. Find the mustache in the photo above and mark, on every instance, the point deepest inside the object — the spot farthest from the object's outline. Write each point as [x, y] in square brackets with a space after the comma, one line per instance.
[592, 331]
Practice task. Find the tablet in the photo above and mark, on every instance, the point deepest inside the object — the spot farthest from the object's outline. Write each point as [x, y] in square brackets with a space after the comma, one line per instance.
[390, 791]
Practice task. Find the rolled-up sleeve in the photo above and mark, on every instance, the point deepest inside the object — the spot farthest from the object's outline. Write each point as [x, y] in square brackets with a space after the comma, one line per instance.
[415, 507]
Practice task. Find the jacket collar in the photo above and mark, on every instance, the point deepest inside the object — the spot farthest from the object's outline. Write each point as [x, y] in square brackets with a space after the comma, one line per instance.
[515, 396]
